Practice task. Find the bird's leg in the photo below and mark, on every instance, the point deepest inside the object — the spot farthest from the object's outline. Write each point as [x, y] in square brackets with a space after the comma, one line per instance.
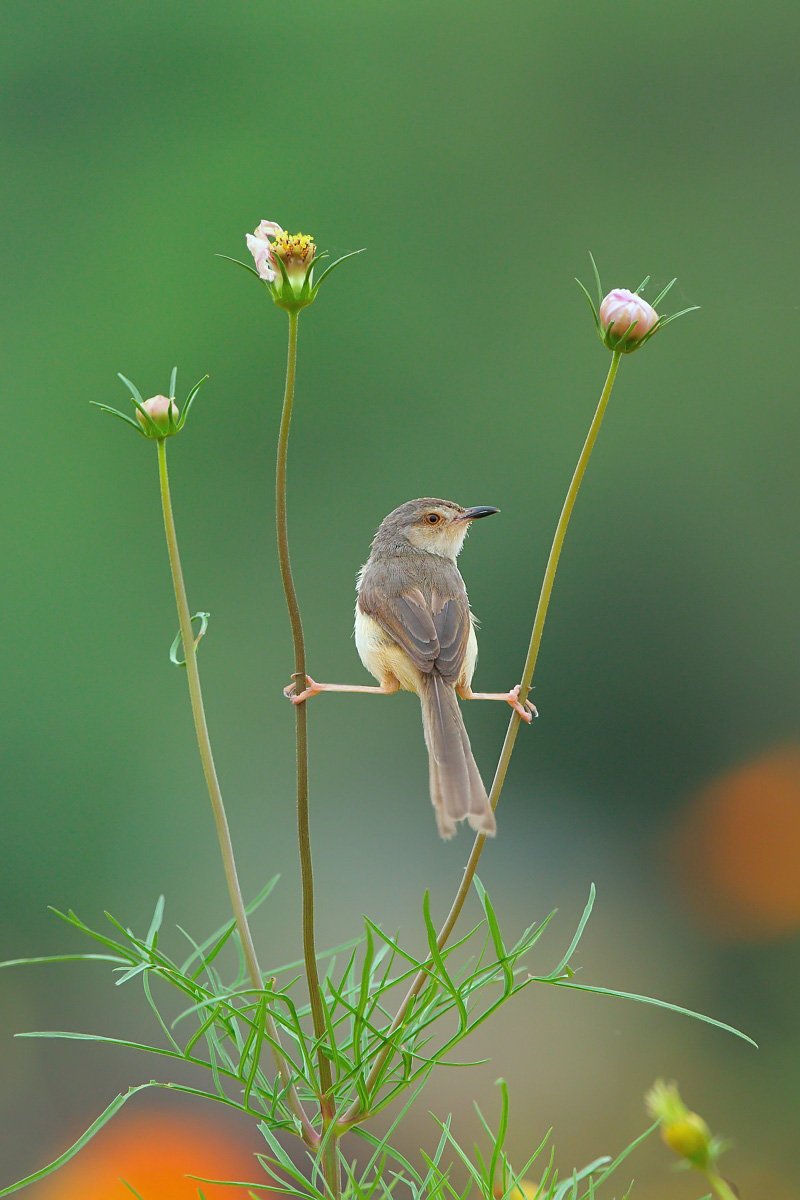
[527, 712]
[387, 688]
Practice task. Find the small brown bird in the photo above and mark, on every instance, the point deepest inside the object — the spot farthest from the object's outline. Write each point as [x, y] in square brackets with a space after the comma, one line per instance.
[414, 630]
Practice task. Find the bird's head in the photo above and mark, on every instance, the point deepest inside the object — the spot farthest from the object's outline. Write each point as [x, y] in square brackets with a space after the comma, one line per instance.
[438, 526]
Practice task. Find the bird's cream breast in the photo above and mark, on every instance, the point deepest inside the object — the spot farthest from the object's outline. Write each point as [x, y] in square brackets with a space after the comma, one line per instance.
[470, 656]
[382, 656]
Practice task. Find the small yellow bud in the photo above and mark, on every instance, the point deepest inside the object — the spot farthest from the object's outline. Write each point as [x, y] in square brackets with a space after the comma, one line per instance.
[683, 1131]
[689, 1137]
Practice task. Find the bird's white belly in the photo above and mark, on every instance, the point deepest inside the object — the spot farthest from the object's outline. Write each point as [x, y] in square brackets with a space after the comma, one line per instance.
[470, 656]
[384, 659]
[382, 656]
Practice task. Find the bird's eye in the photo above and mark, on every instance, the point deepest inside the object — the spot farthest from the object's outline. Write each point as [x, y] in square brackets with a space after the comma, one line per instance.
[433, 518]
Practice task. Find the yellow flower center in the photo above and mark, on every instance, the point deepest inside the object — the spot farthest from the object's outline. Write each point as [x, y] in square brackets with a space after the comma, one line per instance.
[297, 248]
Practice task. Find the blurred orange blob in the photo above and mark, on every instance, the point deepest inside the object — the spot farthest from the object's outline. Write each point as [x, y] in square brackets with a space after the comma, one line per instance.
[737, 849]
[153, 1152]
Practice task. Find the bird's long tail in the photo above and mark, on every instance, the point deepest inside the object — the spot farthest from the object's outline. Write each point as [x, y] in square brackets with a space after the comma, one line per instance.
[457, 791]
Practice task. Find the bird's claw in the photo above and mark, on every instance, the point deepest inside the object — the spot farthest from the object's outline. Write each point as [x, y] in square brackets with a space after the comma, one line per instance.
[526, 711]
[311, 689]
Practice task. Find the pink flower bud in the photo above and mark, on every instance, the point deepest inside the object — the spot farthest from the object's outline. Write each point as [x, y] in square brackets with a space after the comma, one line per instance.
[624, 315]
[158, 409]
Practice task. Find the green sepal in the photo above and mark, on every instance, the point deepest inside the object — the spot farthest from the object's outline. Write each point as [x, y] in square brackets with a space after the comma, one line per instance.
[149, 429]
[329, 268]
[189, 402]
[285, 283]
[150, 423]
[134, 390]
[591, 305]
[122, 416]
[284, 293]
[682, 313]
[308, 281]
[661, 295]
[244, 266]
[620, 344]
[597, 280]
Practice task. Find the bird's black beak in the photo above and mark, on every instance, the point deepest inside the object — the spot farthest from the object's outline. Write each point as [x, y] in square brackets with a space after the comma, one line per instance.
[481, 510]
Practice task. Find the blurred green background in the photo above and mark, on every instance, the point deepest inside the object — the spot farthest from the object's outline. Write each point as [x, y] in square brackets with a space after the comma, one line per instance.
[477, 151]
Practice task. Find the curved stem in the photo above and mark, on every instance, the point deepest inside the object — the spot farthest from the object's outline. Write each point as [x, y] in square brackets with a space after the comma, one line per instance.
[354, 1113]
[303, 830]
[210, 772]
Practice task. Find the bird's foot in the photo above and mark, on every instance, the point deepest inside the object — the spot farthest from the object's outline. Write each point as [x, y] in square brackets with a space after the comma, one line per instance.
[311, 689]
[526, 711]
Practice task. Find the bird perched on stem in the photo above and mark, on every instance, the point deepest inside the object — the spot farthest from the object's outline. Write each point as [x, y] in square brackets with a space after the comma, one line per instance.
[414, 630]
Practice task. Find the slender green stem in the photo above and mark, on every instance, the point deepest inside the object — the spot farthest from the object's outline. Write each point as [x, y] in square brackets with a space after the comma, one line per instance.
[330, 1156]
[723, 1190]
[354, 1113]
[210, 772]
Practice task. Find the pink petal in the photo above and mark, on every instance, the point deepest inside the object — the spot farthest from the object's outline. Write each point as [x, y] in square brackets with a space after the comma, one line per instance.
[268, 229]
[260, 252]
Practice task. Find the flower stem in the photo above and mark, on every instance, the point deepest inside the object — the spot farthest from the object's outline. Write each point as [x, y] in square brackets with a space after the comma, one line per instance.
[355, 1113]
[210, 772]
[723, 1190]
[330, 1156]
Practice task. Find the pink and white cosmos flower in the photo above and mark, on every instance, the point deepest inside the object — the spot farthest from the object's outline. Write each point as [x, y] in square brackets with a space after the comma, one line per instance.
[622, 311]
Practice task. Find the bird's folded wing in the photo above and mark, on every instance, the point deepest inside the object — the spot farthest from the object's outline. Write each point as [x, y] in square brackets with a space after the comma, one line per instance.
[433, 633]
[452, 620]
